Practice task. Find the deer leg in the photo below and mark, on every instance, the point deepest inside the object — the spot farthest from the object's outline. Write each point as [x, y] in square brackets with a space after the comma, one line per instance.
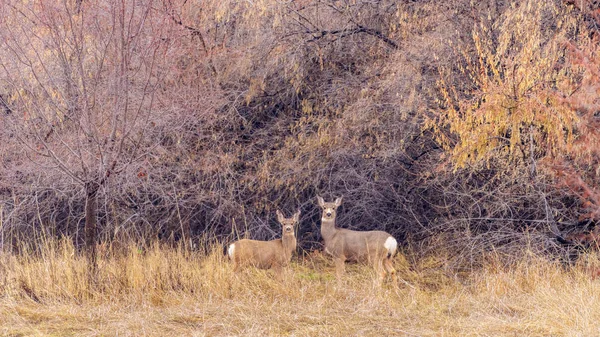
[379, 271]
[340, 268]
[278, 272]
[389, 267]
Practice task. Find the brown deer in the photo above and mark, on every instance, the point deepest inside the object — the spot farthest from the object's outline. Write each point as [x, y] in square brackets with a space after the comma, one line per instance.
[376, 247]
[274, 254]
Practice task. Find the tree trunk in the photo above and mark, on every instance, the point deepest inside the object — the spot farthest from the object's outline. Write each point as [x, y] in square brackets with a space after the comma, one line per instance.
[91, 210]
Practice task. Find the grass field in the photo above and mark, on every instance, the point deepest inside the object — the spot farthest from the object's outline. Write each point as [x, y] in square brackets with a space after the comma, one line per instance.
[169, 292]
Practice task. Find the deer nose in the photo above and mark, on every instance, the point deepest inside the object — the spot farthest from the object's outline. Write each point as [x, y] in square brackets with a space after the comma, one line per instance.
[328, 213]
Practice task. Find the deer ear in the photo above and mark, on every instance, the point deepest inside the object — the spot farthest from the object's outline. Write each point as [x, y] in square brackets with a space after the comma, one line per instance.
[338, 202]
[297, 216]
[321, 201]
[279, 216]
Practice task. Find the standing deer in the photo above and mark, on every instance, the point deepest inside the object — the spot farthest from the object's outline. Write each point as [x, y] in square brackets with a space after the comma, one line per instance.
[274, 254]
[376, 247]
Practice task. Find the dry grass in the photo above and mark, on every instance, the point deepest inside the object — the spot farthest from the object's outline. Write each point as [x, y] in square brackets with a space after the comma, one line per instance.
[163, 291]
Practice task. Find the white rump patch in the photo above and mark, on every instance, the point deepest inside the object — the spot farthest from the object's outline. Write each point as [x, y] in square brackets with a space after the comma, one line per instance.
[391, 245]
[231, 249]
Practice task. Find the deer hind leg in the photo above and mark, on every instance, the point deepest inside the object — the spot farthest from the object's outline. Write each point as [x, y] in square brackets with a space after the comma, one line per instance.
[236, 265]
[379, 271]
[389, 267]
[232, 257]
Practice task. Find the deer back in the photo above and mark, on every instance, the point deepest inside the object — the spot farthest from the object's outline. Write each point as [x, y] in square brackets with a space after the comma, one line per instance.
[355, 245]
[261, 254]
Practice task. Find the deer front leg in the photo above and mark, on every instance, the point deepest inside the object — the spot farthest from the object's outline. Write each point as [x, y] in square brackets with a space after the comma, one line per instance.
[278, 270]
[340, 267]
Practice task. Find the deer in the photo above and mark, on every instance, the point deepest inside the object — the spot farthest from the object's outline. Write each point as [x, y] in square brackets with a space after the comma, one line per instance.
[376, 247]
[275, 254]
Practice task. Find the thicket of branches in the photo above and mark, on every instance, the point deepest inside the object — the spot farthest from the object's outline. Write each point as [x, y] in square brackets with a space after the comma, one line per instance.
[458, 126]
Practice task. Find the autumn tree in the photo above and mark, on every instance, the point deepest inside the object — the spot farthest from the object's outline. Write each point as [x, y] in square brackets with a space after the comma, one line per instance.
[525, 100]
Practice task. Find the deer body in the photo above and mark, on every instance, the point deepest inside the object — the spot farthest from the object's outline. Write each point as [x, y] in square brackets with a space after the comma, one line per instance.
[373, 247]
[360, 246]
[274, 254]
[261, 254]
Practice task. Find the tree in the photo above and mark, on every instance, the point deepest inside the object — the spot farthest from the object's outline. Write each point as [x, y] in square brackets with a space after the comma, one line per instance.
[80, 88]
[527, 99]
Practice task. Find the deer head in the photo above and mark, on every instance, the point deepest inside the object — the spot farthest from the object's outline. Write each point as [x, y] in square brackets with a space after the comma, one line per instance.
[288, 224]
[329, 208]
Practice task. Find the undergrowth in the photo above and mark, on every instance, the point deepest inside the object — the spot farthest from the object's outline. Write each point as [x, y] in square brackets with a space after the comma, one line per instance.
[164, 290]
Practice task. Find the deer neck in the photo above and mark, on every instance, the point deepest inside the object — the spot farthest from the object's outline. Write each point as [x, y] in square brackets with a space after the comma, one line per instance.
[289, 243]
[328, 229]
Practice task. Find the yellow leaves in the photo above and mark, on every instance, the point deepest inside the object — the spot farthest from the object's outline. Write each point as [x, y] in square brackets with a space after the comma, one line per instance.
[515, 74]
[221, 14]
[256, 87]
[307, 106]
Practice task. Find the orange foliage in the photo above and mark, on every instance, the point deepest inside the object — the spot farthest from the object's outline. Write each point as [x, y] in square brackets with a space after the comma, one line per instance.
[534, 98]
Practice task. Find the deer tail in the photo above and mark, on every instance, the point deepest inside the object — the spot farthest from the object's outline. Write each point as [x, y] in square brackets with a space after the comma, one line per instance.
[391, 245]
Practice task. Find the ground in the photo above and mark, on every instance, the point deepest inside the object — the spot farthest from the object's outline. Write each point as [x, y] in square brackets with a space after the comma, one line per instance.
[200, 296]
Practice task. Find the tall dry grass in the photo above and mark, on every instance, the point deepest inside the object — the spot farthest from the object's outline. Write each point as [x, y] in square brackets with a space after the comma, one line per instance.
[162, 291]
